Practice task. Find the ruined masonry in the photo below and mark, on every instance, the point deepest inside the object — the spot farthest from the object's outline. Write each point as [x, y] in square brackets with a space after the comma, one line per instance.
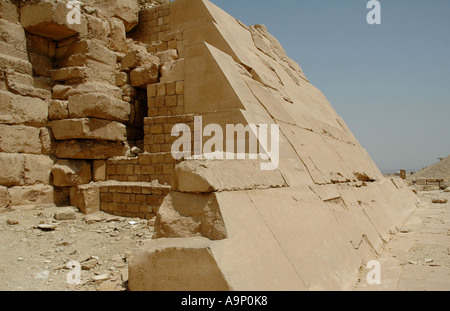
[86, 113]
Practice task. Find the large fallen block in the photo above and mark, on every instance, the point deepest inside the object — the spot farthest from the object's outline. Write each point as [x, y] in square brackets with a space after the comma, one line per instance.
[89, 129]
[86, 198]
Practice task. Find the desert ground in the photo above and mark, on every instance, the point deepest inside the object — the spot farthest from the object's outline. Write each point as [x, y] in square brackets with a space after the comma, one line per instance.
[416, 257]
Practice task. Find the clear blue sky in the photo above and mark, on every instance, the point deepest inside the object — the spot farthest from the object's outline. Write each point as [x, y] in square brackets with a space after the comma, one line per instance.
[390, 82]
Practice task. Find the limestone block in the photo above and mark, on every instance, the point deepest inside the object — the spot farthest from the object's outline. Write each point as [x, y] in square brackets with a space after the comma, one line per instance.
[173, 71]
[9, 11]
[8, 62]
[171, 266]
[224, 175]
[12, 168]
[26, 85]
[117, 41]
[142, 76]
[137, 57]
[98, 28]
[68, 173]
[5, 198]
[65, 213]
[99, 170]
[167, 56]
[86, 198]
[9, 50]
[13, 34]
[70, 73]
[42, 65]
[89, 129]
[90, 150]
[38, 195]
[16, 109]
[61, 92]
[37, 169]
[122, 78]
[188, 215]
[20, 139]
[125, 10]
[100, 106]
[47, 141]
[57, 110]
[49, 20]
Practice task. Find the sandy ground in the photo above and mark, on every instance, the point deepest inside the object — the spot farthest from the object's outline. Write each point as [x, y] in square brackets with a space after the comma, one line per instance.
[417, 258]
[32, 259]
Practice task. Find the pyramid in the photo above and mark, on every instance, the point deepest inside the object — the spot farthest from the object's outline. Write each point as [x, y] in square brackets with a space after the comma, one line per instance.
[226, 225]
[87, 117]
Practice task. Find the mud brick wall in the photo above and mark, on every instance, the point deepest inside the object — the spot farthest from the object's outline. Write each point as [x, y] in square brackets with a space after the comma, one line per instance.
[158, 132]
[145, 168]
[165, 99]
[154, 28]
[133, 200]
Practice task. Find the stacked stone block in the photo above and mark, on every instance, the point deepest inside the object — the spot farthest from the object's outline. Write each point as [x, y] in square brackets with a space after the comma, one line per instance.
[26, 145]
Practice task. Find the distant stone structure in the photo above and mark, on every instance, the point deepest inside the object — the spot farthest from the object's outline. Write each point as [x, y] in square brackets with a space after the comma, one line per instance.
[75, 98]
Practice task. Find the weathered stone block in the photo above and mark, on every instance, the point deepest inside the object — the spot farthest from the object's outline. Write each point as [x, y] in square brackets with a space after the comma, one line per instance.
[142, 76]
[47, 141]
[12, 170]
[68, 173]
[31, 195]
[19, 65]
[16, 109]
[9, 11]
[5, 198]
[173, 71]
[137, 58]
[13, 34]
[98, 106]
[224, 175]
[26, 85]
[49, 20]
[37, 169]
[20, 139]
[167, 56]
[117, 41]
[86, 198]
[57, 110]
[90, 150]
[89, 129]
[99, 170]
[70, 73]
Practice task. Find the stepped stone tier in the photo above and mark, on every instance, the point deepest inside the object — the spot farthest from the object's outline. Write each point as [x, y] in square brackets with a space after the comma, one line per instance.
[78, 102]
